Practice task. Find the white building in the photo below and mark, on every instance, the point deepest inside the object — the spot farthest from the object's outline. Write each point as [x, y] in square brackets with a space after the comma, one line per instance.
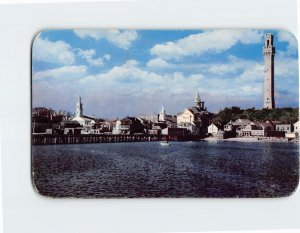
[236, 126]
[287, 128]
[297, 127]
[213, 129]
[84, 121]
[196, 118]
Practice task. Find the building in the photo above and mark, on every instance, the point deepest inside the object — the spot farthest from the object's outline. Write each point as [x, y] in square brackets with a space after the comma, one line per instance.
[213, 129]
[294, 134]
[256, 129]
[174, 132]
[45, 120]
[196, 118]
[269, 53]
[84, 121]
[165, 117]
[236, 126]
[297, 127]
[287, 128]
[150, 117]
[129, 126]
[70, 127]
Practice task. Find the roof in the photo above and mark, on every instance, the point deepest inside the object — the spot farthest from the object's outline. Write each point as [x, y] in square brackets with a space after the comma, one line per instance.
[264, 124]
[241, 122]
[217, 125]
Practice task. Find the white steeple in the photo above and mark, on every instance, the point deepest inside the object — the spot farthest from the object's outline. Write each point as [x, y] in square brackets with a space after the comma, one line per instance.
[162, 114]
[79, 110]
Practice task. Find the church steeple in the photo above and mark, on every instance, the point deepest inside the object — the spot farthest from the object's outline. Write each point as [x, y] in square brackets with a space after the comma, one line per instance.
[162, 114]
[79, 110]
[197, 101]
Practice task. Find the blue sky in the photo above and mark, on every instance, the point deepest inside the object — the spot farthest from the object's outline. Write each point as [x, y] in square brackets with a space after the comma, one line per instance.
[122, 73]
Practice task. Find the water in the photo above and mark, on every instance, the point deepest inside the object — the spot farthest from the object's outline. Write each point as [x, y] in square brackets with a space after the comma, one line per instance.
[184, 169]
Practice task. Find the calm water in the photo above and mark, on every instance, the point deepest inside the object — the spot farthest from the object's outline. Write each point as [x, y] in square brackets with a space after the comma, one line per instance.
[184, 169]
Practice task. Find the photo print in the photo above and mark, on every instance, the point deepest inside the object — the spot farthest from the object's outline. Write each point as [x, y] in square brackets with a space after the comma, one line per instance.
[120, 113]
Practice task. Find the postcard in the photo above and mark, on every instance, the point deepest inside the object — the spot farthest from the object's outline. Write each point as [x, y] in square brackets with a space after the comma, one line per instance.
[119, 113]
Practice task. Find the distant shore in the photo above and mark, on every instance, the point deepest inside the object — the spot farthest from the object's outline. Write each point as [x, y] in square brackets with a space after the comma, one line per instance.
[250, 139]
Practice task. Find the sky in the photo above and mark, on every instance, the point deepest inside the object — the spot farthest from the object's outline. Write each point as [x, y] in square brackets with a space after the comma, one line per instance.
[121, 73]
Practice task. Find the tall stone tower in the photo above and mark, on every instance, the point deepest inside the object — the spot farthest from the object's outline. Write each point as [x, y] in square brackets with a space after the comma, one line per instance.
[79, 109]
[269, 53]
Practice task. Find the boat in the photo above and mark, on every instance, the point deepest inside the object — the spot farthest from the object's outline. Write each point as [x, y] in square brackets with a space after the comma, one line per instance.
[164, 143]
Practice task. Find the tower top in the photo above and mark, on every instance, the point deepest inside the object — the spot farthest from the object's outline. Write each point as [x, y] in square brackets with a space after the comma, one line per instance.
[162, 109]
[79, 110]
[197, 100]
[269, 49]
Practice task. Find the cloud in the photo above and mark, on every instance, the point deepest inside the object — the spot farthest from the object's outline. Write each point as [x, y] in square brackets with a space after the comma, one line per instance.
[285, 36]
[158, 63]
[121, 38]
[89, 55]
[233, 65]
[61, 72]
[208, 41]
[129, 74]
[286, 67]
[58, 52]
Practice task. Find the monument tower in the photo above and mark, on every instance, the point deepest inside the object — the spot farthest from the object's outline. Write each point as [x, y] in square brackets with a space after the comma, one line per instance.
[269, 53]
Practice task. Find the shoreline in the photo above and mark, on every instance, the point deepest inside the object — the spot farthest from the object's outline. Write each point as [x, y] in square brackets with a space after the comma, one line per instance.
[251, 139]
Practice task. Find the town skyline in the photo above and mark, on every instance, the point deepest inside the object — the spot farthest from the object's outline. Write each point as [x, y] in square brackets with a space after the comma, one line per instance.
[129, 72]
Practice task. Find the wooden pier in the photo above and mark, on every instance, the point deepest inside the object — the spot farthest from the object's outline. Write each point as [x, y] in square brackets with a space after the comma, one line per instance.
[48, 139]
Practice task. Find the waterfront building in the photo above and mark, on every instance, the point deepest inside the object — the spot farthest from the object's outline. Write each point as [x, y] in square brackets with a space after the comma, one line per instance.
[70, 127]
[297, 127]
[129, 126]
[257, 129]
[236, 126]
[287, 128]
[166, 117]
[150, 117]
[196, 118]
[84, 121]
[213, 129]
[174, 132]
[46, 120]
[269, 53]
[295, 132]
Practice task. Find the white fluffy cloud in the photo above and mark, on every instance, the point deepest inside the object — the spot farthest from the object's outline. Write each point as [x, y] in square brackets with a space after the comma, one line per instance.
[286, 67]
[120, 38]
[89, 56]
[131, 75]
[233, 65]
[158, 63]
[61, 72]
[208, 41]
[58, 52]
[285, 36]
